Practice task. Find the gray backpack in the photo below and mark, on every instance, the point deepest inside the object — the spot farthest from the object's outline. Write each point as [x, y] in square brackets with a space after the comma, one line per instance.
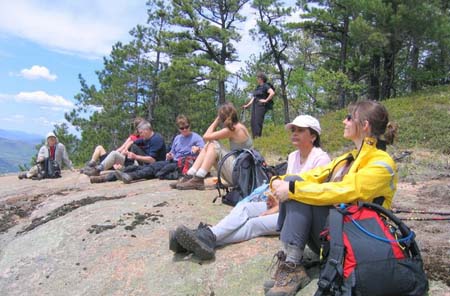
[249, 172]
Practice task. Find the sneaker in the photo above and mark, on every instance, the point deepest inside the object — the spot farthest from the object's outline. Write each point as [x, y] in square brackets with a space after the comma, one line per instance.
[196, 183]
[183, 179]
[290, 278]
[201, 242]
[124, 177]
[22, 175]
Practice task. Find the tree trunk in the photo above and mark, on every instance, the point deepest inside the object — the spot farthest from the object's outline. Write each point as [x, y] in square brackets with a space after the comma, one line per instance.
[374, 78]
[343, 57]
[283, 87]
[221, 91]
[388, 67]
[414, 84]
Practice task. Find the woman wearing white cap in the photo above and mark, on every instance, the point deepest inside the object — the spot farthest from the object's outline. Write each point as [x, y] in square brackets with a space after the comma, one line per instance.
[367, 173]
[53, 150]
[253, 219]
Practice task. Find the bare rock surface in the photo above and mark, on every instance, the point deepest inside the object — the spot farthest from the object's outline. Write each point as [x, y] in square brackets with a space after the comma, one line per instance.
[69, 237]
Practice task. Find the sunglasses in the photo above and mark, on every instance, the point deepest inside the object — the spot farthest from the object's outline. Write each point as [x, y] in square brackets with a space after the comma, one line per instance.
[182, 128]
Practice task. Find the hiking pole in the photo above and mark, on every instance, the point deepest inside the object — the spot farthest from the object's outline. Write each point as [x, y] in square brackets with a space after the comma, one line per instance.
[414, 211]
[426, 219]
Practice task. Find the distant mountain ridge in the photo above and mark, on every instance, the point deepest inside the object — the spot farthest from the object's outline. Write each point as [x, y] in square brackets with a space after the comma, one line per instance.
[21, 136]
[16, 148]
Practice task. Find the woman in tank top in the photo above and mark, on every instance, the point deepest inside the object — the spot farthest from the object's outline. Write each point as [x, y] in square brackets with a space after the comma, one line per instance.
[213, 151]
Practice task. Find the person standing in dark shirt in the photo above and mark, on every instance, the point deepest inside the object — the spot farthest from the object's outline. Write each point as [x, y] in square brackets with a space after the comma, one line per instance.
[262, 95]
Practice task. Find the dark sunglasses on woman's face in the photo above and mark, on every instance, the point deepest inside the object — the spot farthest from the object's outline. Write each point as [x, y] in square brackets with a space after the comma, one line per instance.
[182, 128]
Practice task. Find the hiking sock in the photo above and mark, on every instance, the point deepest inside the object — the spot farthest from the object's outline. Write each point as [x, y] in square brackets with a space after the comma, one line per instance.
[201, 173]
[293, 253]
[191, 171]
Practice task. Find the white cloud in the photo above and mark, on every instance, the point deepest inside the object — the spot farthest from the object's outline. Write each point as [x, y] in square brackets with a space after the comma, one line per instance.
[36, 72]
[84, 27]
[41, 98]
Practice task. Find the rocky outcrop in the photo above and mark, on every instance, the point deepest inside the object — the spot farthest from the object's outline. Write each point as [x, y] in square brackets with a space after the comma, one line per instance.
[69, 237]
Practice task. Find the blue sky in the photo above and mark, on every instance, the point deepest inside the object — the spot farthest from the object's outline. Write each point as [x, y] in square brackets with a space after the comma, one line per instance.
[45, 44]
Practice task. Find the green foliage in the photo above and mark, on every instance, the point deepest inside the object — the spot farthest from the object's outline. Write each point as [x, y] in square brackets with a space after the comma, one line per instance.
[423, 119]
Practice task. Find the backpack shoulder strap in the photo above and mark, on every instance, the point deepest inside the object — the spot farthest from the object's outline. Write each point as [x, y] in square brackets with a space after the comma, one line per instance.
[333, 266]
[219, 184]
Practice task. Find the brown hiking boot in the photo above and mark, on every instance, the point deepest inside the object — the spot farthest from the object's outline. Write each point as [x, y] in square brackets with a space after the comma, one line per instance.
[183, 179]
[196, 183]
[290, 278]
[280, 259]
[99, 179]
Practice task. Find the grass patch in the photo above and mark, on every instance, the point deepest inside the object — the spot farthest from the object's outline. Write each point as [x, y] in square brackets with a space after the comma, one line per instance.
[423, 118]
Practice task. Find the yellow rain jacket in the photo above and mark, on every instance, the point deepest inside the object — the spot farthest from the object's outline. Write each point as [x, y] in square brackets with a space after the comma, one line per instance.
[372, 174]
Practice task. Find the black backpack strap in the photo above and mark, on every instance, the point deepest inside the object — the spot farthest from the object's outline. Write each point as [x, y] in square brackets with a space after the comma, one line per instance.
[219, 184]
[333, 266]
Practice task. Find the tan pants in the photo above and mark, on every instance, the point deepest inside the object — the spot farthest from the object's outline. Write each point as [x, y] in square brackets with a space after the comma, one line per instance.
[227, 168]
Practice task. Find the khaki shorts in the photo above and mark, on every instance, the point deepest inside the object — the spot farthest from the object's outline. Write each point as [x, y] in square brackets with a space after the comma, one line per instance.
[227, 168]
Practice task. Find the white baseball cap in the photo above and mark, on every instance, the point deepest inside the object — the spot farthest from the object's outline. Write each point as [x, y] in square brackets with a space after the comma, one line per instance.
[305, 121]
[50, 134]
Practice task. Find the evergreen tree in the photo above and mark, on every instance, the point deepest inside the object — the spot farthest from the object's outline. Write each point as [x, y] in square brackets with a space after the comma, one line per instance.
[204, 39]
[272, 28]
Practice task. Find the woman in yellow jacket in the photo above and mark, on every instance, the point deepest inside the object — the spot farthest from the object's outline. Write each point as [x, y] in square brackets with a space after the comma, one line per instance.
[367, 173]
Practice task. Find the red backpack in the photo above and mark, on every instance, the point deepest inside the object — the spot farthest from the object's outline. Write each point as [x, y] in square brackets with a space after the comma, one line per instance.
[368, 251]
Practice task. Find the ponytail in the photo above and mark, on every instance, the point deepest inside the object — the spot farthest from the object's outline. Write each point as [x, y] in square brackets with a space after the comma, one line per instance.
[391, 132]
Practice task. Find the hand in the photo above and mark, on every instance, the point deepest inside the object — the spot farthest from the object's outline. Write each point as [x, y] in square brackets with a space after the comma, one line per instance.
[262, 101]
[270, 211]
[195, 150]
[131, 155]
[117, 166]
[271, 200]
[280, 189]
[169, 156]
[244, 106]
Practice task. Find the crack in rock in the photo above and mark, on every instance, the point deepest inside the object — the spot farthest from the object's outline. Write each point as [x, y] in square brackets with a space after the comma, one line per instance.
[65, 209]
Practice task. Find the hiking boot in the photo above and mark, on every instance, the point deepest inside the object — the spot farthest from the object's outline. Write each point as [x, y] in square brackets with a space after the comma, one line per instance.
[99, 179]
[22, 175]
[201, 241]
[91, 164]
[196, 183]
[290, 278]
[91, 171]
[124, 177]
[183, 179]
[174, 246]
[280, 259]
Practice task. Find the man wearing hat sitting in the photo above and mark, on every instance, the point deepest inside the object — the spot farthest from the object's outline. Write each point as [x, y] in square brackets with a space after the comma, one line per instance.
[52, 150]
